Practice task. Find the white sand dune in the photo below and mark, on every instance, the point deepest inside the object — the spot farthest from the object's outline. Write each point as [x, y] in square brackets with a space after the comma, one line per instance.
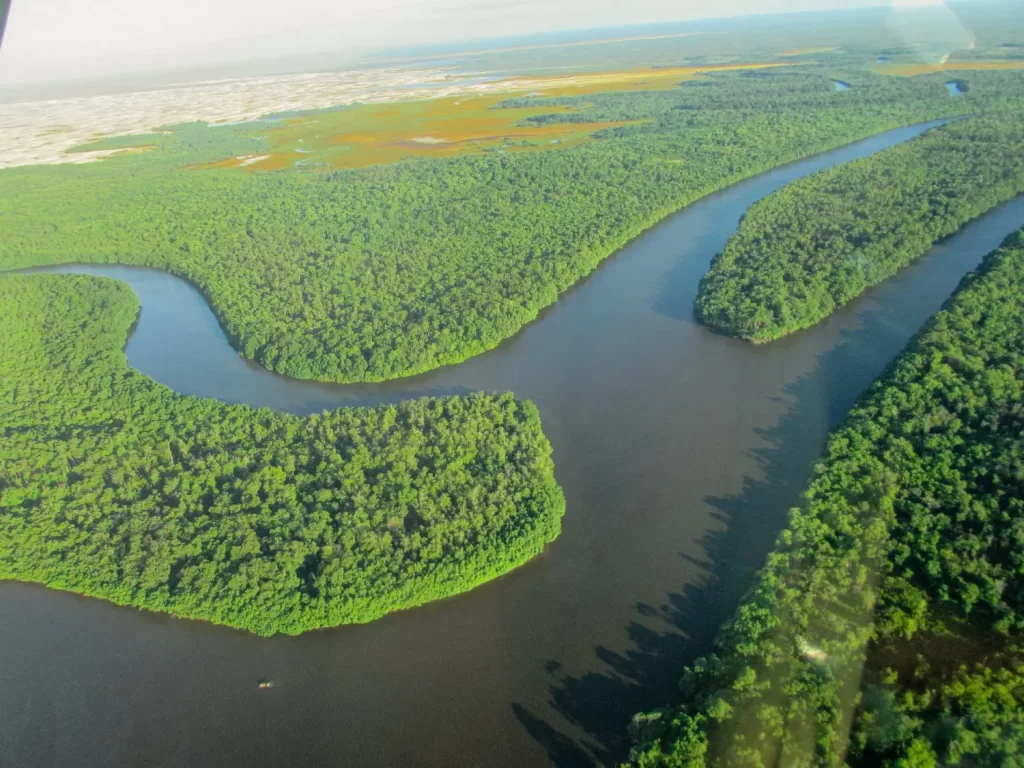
[42, 131]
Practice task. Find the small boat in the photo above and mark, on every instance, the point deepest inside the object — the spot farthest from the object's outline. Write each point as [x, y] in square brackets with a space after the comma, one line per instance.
[261, 684]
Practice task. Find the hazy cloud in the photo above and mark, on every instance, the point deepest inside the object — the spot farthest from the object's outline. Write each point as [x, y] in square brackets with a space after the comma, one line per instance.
[52, 39]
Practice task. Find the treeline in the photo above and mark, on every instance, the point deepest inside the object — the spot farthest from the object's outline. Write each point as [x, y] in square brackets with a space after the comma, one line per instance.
[909, 536]
[812, 246]
[114, 486]
[382, 272]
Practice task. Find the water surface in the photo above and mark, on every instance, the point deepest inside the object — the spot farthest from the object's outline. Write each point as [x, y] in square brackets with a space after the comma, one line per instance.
[679, 452]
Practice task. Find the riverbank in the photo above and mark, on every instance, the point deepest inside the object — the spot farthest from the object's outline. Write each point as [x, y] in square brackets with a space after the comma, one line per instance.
[679, 452]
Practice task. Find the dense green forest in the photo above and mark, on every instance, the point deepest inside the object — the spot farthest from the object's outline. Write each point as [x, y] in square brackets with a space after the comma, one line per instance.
[812, 246]
[114, 486]
[386, 271]
[885, 628]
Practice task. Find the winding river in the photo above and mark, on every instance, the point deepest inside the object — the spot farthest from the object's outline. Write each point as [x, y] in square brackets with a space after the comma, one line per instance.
[679, 452]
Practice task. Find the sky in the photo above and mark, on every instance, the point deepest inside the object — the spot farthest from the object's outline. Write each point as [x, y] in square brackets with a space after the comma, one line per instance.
[53, 40]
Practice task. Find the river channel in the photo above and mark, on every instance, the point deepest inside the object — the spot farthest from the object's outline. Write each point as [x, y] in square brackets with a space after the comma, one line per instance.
[679, 452]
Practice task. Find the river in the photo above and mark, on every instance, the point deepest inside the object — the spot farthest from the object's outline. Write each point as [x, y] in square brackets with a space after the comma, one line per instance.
[679, 451]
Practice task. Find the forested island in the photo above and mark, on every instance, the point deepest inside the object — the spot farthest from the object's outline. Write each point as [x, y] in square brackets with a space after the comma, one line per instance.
[908, 542]
[114, 486]
[380, 272]
[885, 628]
[816, 244]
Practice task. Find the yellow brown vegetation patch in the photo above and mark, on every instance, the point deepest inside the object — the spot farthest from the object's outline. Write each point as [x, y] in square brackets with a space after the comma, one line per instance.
[374, 134]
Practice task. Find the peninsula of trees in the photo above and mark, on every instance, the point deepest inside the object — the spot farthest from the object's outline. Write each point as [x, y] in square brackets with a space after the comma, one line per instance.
[816, 244]
[381, 272]
[909, 541]
[112, 485]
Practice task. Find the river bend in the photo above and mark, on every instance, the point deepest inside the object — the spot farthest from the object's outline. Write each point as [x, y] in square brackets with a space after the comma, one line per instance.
[679, 452]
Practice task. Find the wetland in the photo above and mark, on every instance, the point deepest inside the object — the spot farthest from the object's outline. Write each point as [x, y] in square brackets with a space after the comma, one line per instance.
[679, 452]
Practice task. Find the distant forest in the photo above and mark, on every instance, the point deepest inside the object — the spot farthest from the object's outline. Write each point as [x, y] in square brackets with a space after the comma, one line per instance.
[383, 272]
[893, 604]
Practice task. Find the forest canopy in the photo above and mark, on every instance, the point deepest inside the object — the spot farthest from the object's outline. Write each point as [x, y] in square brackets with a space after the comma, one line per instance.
[909, 541]
[381, 272]
[816, 244]
[112, 485]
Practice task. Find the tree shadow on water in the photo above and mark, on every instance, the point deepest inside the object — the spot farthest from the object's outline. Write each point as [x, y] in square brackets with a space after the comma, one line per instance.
[753, 518]
[664, 639]
[562, 750]
[600, 704]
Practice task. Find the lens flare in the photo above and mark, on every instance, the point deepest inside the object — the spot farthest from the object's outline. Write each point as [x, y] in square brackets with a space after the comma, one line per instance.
[928, 30]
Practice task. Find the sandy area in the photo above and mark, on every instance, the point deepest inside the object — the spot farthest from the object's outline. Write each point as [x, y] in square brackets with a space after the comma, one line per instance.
[41, 131]
[251, 160]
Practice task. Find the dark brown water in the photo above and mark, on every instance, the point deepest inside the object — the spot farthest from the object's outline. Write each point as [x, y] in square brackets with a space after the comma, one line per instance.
[679, 452]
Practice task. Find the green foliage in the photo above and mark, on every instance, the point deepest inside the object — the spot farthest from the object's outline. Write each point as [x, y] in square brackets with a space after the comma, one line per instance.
[114, 486]
[382, 272]
[817, 243]
[976, 719]
[914, 518]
